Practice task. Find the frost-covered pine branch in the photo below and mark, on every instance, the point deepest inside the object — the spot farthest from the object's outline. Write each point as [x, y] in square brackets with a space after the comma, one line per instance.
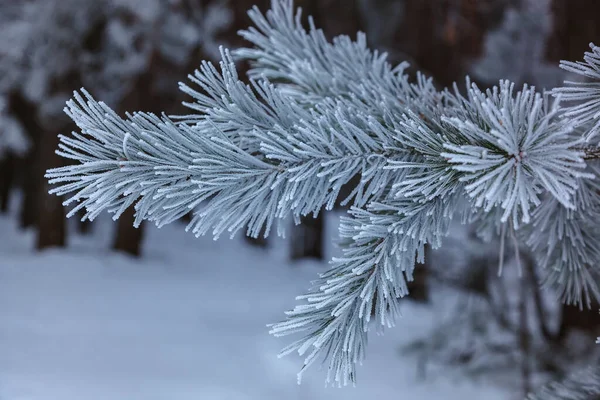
[305, 65]
[584, 95]
[314, 115]
[254, 153]
[365, 283]
[565, 243]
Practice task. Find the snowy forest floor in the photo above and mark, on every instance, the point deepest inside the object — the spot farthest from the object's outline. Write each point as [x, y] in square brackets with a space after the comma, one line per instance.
[186, 321]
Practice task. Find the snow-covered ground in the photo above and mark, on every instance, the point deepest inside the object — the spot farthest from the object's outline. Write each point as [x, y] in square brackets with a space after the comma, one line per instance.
[186, 321]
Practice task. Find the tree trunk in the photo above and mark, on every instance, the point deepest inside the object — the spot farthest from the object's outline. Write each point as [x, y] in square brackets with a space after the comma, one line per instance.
[29, 211]
[418, 290]
[51, 219]
[40, 208]
[25, 112]
[572, 29]
[307, 238]
[52, 225]
[440, 38]
[7, 171]
[128, 238]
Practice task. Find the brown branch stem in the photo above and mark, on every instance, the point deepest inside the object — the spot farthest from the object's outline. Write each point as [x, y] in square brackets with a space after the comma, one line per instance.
[590, 153]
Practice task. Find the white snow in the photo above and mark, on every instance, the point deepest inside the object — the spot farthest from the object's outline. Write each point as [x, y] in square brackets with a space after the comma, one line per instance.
[186, 321]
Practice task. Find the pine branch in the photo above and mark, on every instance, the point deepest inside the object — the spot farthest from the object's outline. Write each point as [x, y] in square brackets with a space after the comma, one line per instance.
[565, 244]
[584, 96]
[316, 114]
[525, 150]
[370, 278]
[253, 154]
[308, 67]
[142, 158]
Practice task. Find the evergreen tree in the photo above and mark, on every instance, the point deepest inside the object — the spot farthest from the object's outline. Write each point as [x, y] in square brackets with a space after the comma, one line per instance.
[517, 163]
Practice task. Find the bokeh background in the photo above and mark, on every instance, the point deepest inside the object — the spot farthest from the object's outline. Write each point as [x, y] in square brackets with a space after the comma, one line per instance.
[105, 310]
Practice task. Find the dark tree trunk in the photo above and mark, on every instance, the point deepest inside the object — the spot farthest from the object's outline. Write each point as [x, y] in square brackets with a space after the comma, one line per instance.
[51, 219]
[440, 38]
[52, 225]
[29, 211]
[25, 112]
[39, 208]
[307, 238]
[418, 289]
[573, 29]
[128, 239]
[7, 172]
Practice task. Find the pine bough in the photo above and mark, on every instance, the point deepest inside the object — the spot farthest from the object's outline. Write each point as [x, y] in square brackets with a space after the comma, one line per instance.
[314, 115]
